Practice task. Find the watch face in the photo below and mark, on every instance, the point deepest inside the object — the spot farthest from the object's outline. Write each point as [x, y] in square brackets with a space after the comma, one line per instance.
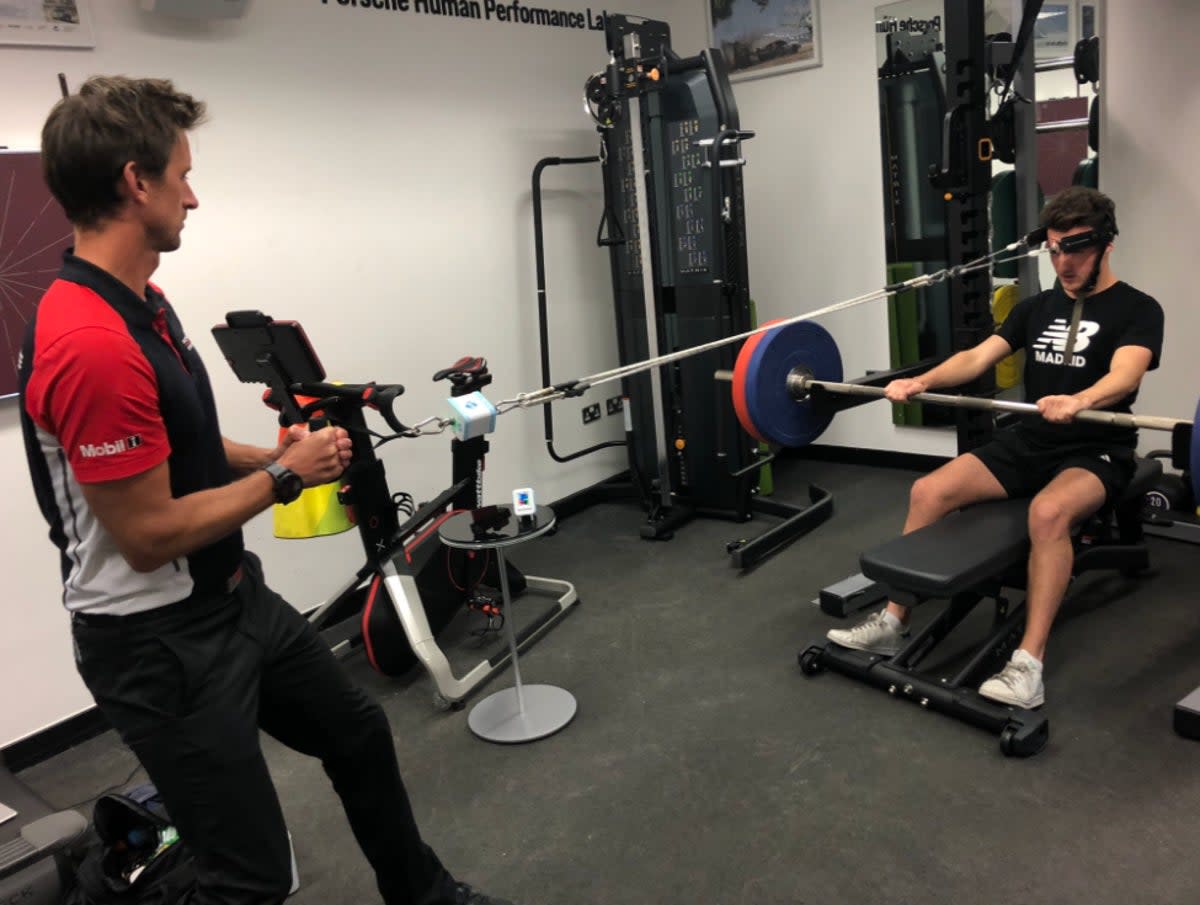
[290, 487]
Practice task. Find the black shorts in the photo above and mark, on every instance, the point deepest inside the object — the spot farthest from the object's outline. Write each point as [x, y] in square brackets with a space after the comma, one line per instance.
[1023, 466]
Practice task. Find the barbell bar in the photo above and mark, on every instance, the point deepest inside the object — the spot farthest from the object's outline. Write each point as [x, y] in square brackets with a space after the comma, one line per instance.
[800, 383]
[774, 379]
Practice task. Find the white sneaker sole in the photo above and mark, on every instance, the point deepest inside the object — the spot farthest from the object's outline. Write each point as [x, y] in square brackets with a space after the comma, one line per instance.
[1001, 697]
[887, 651]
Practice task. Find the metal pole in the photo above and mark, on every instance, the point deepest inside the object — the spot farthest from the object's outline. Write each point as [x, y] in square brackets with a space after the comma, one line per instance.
[967, 232]
[799, 385]
[649, 299]
[1050, 65]
[1025, 121]
[513, 648]
[1063, 125]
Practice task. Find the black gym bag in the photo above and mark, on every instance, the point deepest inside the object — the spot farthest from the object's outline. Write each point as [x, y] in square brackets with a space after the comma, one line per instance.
[138, 859]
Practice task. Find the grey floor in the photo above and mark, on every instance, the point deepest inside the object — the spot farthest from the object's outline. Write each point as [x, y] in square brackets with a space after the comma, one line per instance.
[702, 767]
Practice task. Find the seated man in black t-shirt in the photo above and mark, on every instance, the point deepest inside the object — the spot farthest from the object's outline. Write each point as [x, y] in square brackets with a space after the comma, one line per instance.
[1087, 343]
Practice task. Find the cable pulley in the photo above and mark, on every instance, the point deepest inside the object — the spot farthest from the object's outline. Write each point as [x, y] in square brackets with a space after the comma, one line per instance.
[473, 415]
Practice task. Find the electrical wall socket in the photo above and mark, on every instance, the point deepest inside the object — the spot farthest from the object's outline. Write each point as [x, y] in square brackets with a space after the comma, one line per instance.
[591, 413]
[615, 404]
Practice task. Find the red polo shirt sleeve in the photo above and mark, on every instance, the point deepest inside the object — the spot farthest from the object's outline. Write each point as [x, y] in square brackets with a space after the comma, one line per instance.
[93, 389]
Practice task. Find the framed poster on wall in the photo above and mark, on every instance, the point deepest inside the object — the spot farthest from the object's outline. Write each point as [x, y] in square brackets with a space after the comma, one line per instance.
[46, 23]
[34, 233]
[1054, 34]
[765, 37]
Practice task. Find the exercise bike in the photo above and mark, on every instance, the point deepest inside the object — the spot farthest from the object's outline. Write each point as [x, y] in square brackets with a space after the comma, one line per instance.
[410, 585]
[35, 845]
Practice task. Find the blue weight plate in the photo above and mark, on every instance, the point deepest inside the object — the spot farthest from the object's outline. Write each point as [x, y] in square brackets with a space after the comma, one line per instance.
[779, 417]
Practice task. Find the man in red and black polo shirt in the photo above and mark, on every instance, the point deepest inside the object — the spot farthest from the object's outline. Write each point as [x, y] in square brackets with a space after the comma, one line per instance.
[186, 650]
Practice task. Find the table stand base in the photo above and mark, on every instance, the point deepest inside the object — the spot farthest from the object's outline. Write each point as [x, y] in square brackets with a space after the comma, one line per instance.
[497, 718]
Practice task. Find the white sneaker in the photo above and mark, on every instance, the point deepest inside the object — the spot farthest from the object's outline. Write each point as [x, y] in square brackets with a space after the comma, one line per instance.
[1018, 684]
[875, 635]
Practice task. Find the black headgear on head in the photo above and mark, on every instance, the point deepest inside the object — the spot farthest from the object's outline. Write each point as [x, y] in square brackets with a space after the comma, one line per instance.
[1079, 242]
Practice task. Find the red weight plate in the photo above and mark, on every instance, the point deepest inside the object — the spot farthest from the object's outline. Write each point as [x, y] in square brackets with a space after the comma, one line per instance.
[740, 370]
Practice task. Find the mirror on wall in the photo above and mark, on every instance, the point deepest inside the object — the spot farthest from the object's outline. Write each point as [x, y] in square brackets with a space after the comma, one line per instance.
[910, 65]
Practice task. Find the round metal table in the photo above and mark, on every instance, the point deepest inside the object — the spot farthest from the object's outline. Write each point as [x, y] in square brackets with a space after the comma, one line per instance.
[522, 713]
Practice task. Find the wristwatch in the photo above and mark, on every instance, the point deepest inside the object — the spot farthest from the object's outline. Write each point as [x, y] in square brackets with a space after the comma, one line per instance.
[288, 484]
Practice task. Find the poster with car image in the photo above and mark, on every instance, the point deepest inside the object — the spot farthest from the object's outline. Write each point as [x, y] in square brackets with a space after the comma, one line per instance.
[50, 23]
[765, 37]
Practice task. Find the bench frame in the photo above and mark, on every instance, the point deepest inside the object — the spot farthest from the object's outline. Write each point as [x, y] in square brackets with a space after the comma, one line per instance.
[1112, 540]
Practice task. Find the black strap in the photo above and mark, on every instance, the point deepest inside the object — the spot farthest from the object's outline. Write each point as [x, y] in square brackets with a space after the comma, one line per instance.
[1073, 332]
[1028, 20]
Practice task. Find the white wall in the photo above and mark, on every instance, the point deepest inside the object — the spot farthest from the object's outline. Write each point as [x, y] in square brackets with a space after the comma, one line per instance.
[366, 173]
[1150, 128]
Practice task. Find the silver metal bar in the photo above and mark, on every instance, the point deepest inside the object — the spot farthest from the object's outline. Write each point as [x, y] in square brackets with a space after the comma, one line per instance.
[727, 376]
[799, 384]
[508, 625]
[632, 45]
[742, 135]
[1056, 63]
[546, 395]
[1063, 125]
[649, 299]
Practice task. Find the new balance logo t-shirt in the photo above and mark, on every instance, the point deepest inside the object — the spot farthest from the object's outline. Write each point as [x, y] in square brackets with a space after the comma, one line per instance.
[1118, 316]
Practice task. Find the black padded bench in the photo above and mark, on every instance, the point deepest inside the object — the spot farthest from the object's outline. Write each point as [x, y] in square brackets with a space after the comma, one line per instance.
[967, 557]
[982, 543]
[964, 550]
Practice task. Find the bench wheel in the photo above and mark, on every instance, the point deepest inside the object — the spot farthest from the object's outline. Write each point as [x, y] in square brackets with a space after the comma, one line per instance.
[1007, 741]
[1017, 740]
[810, 661]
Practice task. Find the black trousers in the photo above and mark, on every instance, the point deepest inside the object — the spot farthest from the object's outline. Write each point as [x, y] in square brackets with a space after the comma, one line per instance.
[189, 686]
